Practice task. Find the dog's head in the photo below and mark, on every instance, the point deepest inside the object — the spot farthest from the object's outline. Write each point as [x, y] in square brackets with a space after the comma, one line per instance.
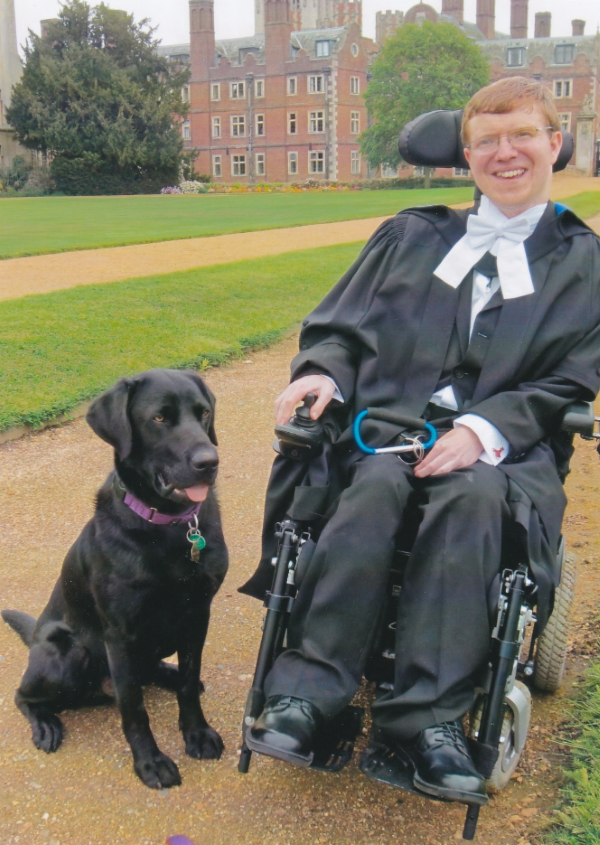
[59, 667]
[162, 427]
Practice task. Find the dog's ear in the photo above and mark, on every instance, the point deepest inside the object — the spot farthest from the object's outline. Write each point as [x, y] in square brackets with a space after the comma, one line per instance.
[108, 416]
[212, 401]
[59, 634]
[22, 623]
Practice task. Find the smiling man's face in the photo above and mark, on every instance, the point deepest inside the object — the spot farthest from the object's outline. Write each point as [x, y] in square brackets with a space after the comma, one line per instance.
[513, 179]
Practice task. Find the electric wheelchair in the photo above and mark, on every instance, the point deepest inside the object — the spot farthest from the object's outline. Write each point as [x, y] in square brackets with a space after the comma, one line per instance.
[499, 720]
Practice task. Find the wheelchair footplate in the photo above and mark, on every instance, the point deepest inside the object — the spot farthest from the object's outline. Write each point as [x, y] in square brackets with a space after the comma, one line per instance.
[383, 764]
[334, 743]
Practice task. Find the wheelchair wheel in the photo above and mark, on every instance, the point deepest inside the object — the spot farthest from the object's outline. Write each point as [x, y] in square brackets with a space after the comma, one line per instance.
[512, 738]
[551, 650]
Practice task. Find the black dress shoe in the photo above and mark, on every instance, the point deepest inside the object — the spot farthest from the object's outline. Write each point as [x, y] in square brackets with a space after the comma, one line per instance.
[286, 730]
[442, 764]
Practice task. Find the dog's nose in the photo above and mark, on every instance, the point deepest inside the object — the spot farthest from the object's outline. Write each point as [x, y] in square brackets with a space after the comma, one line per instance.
[204, 461]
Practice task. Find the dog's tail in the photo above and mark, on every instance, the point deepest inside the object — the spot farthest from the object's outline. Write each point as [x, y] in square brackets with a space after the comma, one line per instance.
[22, 623]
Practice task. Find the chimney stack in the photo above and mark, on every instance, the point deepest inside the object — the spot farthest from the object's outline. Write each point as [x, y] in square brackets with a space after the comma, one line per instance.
[278, 29]
[543, 24]
[455, 8]
[202, 37]
[578, 26]
[518, 18]
[486, 18]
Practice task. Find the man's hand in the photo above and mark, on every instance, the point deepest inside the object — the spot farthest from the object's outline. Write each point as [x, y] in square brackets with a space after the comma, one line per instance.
[322, 387]
[456, 449]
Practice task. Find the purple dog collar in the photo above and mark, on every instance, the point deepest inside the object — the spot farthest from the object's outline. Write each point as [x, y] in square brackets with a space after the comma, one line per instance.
[157, 518]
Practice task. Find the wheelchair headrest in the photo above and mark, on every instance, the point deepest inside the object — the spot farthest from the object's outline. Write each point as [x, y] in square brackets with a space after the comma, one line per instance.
[433, 140]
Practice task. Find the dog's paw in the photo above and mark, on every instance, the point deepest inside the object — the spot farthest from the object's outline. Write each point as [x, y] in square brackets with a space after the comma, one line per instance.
[46, 732]
[203, 744]
[158, 771]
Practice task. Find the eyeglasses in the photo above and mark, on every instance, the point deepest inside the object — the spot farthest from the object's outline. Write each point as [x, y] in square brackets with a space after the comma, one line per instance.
[519, 139]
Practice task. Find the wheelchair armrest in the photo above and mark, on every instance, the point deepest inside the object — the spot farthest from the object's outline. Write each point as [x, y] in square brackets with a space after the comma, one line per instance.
[579, 418]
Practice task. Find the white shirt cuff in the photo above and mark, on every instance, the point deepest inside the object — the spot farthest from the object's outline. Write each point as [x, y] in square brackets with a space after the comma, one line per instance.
[495, 446]
[337, 395]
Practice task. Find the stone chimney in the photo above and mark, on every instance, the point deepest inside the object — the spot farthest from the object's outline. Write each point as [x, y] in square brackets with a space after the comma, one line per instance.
[486, 18]
[518, 18]
[278, 29]
[543, 24]
[202, 38]
[578, 26]
[455, 8]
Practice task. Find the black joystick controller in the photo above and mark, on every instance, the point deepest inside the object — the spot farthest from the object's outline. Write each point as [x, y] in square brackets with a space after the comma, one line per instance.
[302, 437]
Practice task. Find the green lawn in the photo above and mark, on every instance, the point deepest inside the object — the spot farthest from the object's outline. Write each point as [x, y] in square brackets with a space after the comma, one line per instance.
[59, 349]
[58, 224]
[584, 205]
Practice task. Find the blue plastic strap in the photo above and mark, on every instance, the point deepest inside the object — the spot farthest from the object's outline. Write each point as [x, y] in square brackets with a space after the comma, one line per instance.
[369, 449]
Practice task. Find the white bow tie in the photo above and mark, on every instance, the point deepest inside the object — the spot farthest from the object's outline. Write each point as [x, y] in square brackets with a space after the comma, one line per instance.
[491, 231]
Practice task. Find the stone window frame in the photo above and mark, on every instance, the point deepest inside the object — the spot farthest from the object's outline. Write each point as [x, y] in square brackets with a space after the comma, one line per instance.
[355, 123]
[260, 158]
[259, 88]
[316, 119]
[560, 85]
[567, 49]
[217, 166]
[186, 130]
[237, 90]
[238, 164]
[292, 123]
[259, 126]
[215, 91]
[355, 162]
[323, 48]
[355, 84]
[292, 156]
[316, 161]
[564, 119]
[521, 54]
[237, 121]
[315, 83]
[292, 83]
[216, 126]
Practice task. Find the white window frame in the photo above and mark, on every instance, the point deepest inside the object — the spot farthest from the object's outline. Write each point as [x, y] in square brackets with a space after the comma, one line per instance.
[564, 118]
[185, 94]
[316, 119]
[237, 90]
[322, 49]
[215, 91]
[355, 162]
[316, 158]
[259, 88]
[259, 126]
[355, 123]
[260, 159]
[560, 88]
[217, 169]
[564, 47]
[521, 56]
[462, 171]
[238, 163]
[186, 130]
[292, 86]
[355, 84]
[292, 123]
[315, 84]
[216, 127]
[388, 172]
[237, 122]
[292, 163]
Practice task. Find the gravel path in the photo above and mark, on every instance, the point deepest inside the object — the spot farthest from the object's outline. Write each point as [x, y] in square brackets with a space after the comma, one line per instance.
[87, 793]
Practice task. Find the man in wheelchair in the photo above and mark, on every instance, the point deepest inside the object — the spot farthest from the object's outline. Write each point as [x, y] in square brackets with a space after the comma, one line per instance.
[486, 323]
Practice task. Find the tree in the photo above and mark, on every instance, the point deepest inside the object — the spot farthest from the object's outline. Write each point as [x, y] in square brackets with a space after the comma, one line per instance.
[99, 99]
[420, 68]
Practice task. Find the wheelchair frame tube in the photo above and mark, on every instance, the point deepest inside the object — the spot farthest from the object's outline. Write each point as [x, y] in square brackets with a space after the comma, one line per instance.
[273, 632]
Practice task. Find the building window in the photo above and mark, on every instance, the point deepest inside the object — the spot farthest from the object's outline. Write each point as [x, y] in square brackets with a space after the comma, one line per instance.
[260, 164]
[292, 123]
[292, 85]
[322, 48]
[238, 125]
[462, 171]
[293, 164]
[355, 162]
[565, 121]
[259, 88]
[355, 84]
[316, 121]
[563, 54]
[238, 165]
[316, 162]
[185, 130]
[215, 91]
[237, 90]
[216, 166]
[216, 127]
[354, 122]
[354, 50]
[563, 87]
[388, 172]
[185, 93]
[260, 124]
[515, 56]
[316, 84]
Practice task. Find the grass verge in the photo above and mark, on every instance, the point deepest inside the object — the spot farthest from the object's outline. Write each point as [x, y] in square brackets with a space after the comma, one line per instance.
[578, 822]
[584, 205]
[58, 350]
[59, 224]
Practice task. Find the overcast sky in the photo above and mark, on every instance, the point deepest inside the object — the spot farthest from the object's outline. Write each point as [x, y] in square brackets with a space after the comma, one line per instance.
[235, 18]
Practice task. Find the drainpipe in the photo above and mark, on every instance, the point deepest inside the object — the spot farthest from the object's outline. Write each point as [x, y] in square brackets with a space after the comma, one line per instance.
[327, 74]
[250, 95]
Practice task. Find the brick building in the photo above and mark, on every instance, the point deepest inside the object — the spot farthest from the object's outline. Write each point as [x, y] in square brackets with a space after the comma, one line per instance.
[280, 106]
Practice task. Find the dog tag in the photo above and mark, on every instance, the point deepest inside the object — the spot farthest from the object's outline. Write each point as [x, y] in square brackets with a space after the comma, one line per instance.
[198, 543]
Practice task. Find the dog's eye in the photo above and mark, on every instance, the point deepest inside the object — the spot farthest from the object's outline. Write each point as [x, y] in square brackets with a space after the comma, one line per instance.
[159, 418]
[205, 415]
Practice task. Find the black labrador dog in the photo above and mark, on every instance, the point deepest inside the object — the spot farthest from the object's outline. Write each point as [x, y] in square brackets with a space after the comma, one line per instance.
[137, 584]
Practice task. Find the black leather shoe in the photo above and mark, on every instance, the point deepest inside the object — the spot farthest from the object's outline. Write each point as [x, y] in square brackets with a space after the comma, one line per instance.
[286, 730]
[442, 764]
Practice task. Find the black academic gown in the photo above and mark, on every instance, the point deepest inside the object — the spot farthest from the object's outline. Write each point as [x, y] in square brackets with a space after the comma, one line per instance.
[383, 331]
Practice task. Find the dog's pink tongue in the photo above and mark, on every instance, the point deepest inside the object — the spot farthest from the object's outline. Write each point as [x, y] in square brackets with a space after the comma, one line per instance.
[198, 493]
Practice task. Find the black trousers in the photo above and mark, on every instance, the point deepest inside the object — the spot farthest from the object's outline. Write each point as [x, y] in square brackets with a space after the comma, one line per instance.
[443, 626]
